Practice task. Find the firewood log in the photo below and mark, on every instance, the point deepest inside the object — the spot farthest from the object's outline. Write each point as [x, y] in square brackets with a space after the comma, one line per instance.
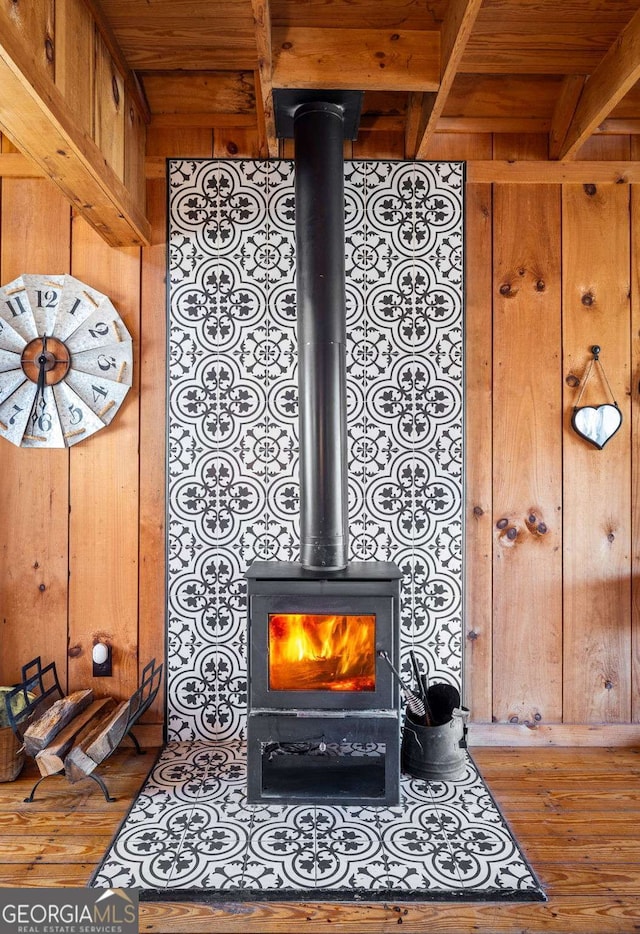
[50, 760]
[96, 745]
[43, 730]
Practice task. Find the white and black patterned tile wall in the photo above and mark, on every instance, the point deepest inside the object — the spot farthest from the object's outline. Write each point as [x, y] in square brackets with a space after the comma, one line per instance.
[233, 460]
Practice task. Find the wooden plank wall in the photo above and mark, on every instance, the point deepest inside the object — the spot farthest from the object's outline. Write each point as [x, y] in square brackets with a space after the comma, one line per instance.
[562, 512]
[81, 528]
[552, 650]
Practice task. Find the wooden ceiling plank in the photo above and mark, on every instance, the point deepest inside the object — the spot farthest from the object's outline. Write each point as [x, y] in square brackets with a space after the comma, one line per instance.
[183, 34]
[615, 75]
[198, 119]
[623, 126]
[213, 92]
[191, 50]
[356, 59]
[522, 124]
[382, 123]
[264, 100]
[354, 14]
[454, 36]
[37, 119]
[572, 87]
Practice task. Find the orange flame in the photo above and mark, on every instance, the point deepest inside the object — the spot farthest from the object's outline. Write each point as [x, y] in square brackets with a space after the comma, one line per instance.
[321, 653]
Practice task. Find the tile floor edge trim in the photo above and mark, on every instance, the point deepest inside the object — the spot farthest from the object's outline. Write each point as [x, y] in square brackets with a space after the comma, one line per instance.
[126, 815]
[534, 875]
[312, 896]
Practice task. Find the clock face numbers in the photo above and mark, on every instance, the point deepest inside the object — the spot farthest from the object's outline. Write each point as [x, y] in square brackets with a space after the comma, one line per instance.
[66, 361]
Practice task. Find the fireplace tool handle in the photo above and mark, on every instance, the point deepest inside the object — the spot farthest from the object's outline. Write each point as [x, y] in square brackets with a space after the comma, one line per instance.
[414, 702]
[422, 681]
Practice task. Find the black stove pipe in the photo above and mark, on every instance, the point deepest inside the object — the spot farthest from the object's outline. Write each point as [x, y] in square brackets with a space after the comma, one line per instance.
[318, 132]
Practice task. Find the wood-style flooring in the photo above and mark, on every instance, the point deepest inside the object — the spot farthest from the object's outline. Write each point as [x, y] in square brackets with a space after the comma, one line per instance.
[574, 811]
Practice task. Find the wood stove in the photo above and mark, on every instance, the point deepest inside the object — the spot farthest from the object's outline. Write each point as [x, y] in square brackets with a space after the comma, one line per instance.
[323, 720]
[324, 712]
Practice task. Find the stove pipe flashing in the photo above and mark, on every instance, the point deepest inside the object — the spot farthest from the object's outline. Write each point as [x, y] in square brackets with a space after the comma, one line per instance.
[318, 128]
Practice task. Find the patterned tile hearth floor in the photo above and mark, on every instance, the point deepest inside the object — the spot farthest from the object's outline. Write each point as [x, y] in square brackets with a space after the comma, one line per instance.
[191, 835]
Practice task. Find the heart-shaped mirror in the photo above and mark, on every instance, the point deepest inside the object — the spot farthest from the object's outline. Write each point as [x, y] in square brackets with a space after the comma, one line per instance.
[596, 425]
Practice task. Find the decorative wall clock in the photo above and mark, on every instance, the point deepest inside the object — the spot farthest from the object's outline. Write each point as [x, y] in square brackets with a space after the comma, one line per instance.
[66, 361]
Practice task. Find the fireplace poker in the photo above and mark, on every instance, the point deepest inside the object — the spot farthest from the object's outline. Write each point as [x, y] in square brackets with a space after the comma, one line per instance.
[415, 703]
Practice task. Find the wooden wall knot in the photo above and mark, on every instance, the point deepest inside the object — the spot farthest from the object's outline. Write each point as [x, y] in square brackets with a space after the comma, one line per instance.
[508, 531]
[590, 189]
[533, 724]
[49, 49]
[535, 524]
[588, 299]
[506, 290]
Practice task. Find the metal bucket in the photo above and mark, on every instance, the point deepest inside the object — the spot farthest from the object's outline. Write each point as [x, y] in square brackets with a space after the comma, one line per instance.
[435, 752]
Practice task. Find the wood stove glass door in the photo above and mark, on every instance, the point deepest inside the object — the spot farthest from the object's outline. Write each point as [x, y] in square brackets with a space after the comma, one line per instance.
[321, 651]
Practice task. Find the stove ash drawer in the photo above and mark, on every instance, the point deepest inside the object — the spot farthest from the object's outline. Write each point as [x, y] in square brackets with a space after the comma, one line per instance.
[324, 760]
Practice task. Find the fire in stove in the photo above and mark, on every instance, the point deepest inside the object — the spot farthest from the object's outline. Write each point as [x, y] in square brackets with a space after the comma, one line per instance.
[313, 652]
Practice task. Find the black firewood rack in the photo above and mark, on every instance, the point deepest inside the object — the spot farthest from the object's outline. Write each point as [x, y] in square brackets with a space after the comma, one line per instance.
[40, 688]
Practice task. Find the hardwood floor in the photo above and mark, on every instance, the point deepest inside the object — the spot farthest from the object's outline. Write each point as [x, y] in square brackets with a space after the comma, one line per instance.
[575, 812]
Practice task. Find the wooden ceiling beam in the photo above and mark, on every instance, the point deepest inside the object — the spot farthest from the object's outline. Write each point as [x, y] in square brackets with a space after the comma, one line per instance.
[454, 35]
[356, 59]
[264, 75]
[529, 172]
[60, 136]
[572, 87]
[534, 172]
[616, 74]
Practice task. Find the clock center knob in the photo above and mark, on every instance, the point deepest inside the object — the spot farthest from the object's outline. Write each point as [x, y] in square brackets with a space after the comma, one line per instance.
[56, 360]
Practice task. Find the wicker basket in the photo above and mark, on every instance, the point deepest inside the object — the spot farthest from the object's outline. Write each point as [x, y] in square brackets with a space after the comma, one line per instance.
[11, 749]
[11, 755]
